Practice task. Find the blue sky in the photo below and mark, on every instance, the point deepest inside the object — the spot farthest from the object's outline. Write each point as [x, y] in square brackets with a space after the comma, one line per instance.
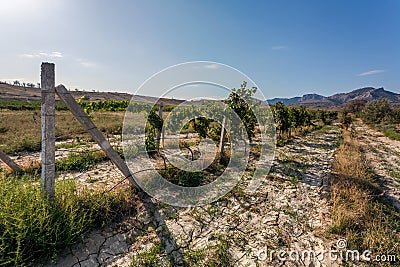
[288, 48]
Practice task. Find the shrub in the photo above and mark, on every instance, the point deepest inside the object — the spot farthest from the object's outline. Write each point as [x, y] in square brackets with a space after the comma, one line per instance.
[378, 111]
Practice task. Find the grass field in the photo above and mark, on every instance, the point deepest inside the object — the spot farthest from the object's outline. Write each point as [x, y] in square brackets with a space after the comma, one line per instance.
[20, 130]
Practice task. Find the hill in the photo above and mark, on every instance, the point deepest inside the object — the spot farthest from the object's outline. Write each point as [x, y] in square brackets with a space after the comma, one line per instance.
[8, 91]
[315, 100]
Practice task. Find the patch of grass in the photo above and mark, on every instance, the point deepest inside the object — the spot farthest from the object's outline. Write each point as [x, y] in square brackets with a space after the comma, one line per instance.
[149, 258]
[20, 130]
[16, 104]
[392, 133]
[32, 229]
[75, 161]
[220, 254]
[195, 257]
[293, 180]
[365, 219]
[217, 255]
[183, 178]
[80, 161]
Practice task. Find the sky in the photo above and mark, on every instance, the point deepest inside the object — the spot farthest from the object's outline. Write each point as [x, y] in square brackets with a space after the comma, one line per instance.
[288, 48]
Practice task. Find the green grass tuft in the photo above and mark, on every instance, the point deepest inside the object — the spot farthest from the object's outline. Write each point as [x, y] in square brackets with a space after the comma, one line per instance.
[33, 230]
[392, 133]
[80, 161]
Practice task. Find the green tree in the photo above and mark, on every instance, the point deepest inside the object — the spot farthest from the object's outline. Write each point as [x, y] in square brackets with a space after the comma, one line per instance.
[282, 118]
[377, 112]
[240, 100]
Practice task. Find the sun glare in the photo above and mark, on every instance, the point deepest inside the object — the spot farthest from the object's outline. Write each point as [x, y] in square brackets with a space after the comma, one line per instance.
[22, 7]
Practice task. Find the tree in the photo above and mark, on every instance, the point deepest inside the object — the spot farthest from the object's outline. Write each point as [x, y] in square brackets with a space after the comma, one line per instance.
[378, 111]
[356, 105]
[153, 128]
[240, 100]
[282, 118]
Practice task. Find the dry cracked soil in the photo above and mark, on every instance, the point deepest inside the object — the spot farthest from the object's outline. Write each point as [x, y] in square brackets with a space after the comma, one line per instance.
[289, 212]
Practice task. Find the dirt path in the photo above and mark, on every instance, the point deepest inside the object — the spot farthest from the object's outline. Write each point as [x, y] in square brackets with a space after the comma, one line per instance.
[384, 156]
[288, 212]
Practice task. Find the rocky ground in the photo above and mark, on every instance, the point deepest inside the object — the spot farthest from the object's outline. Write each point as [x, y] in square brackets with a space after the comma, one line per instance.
[288, 212]
[383, 155]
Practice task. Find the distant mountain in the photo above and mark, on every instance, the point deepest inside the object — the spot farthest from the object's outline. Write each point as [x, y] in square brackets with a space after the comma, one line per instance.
[315, 100]
[286, 101]
[8, 91]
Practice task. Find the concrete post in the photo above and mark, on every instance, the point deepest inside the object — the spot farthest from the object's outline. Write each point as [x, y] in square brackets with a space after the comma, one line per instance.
[48, 129]
[222, 138]
[161, 134]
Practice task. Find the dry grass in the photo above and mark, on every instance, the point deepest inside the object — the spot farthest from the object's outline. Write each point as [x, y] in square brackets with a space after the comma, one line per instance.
[20, 130]
[360, 213]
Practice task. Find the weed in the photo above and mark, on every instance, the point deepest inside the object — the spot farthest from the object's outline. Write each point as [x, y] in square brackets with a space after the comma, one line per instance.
[217, 255]
[221, 254]
[149, 258]
[33, 229]
[182, 177]
[392, 133]
[80, 161]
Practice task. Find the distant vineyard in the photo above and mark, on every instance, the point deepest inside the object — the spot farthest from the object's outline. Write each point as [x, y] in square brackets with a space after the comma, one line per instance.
[287, 119]
[103, 105]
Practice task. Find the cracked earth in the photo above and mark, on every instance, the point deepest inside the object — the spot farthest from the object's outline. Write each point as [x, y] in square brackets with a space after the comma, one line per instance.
[289, 211]
[383, 155]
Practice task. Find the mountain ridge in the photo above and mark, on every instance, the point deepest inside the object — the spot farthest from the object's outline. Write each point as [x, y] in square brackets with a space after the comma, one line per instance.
[316, 100]
[8, 91]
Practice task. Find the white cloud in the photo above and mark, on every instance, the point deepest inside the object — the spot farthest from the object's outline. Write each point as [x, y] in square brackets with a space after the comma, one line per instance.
[43, 55]
[371, 72]
[87, 64]
[56, 54]
[29, 55]
[278, 47]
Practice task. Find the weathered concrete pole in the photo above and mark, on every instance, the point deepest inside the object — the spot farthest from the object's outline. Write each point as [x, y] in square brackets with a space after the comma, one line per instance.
[160, 135]
[222, 138]
[48, 129]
